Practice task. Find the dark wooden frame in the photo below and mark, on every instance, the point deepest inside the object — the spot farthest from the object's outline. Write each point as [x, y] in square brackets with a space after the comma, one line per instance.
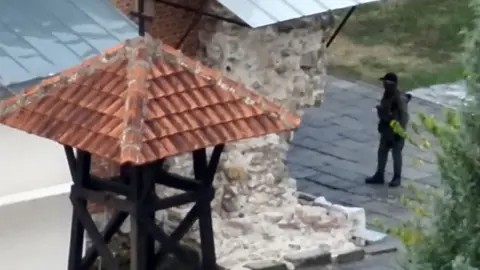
[132, 193]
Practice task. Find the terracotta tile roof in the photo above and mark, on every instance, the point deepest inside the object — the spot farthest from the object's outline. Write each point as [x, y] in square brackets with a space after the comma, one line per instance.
[142, 101]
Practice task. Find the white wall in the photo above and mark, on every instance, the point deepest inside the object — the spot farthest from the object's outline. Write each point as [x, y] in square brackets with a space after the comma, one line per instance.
[28, 162]
[35, 234]
[35, 210]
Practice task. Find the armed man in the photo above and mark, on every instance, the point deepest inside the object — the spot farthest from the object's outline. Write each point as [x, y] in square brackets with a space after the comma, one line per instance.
[393, 106]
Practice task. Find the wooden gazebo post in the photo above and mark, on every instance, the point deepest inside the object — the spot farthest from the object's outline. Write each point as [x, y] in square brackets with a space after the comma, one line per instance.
[136, 105]
[142, 249]
[141, 203]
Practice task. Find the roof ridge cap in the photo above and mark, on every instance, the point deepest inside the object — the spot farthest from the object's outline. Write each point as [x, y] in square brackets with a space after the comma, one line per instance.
[138, 63]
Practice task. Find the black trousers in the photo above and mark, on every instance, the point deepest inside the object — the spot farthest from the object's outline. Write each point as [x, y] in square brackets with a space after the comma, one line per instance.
[390, 143]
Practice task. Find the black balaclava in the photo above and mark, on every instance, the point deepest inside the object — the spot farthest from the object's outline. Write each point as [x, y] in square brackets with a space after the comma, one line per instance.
[390, 81]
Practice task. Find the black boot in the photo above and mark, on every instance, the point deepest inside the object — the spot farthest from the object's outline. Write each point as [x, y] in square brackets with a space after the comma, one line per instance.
[377, 178]
[396, 181]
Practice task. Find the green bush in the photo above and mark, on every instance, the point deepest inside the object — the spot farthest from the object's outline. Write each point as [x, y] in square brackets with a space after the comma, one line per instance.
[446, 234]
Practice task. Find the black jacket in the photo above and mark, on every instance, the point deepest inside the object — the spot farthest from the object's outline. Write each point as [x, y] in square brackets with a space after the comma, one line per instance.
[393, 106]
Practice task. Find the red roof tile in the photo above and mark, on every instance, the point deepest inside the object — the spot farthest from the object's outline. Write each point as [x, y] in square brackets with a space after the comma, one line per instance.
[142, 101]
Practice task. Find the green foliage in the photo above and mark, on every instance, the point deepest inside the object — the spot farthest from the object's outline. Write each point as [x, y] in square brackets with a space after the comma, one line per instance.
[446, 234]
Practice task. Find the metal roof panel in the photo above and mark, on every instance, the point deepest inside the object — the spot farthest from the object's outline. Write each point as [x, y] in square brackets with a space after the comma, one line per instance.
[42, 38]
[257, 13]
[284, 11]
[248, 12]
[307, 7]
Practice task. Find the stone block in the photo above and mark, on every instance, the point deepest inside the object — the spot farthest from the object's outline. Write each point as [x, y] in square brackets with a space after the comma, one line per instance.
[352, 255]
[355, 215]
[318, 257]
[266, 265]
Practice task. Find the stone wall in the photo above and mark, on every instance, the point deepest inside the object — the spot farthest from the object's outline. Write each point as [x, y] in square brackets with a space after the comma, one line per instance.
[285, 62]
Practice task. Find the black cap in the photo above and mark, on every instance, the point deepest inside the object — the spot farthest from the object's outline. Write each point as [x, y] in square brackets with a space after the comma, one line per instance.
[390, 77]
